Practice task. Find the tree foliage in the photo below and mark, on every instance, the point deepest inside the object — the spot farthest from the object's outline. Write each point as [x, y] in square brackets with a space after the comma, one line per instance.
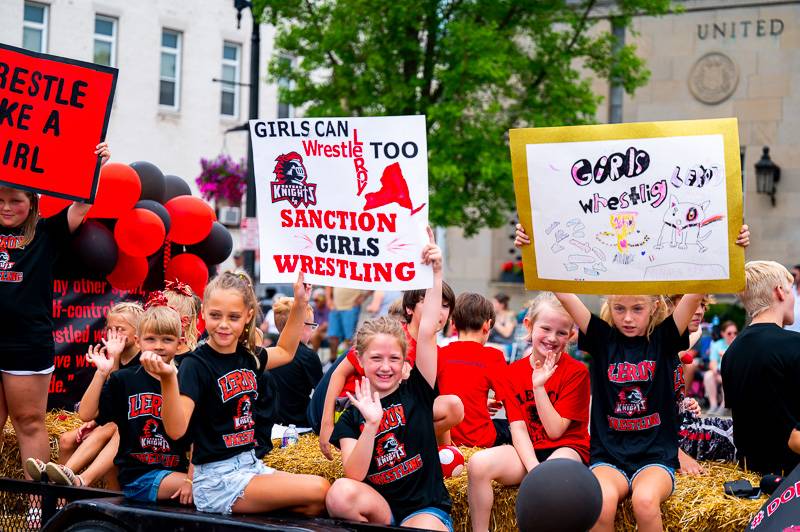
[475, 68]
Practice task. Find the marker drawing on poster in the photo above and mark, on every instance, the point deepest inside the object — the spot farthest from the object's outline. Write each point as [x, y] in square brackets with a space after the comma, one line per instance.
[636, 208]
[343, 199]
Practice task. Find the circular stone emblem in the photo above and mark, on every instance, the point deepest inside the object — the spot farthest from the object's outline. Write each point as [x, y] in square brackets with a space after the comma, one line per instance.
[713, 78]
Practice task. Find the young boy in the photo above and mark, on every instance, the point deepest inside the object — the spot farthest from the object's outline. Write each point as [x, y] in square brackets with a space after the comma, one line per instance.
[151, 465]
[469, 369]
[761, 369]
[449, 410]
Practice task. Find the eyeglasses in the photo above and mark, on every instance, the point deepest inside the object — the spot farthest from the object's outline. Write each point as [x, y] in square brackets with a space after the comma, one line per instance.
[311, 324]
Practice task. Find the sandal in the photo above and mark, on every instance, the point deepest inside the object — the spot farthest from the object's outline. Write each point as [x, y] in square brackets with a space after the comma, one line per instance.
[35, 468]
[61, 474]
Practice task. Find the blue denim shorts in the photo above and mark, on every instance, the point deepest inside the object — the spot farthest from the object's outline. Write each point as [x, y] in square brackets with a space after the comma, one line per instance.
[145, 488]
[631, 477]
[216, 486]
[438, 513]
[342, 323]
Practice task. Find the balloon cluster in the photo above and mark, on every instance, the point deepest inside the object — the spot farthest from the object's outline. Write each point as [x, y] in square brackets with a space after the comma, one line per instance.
[146, 227]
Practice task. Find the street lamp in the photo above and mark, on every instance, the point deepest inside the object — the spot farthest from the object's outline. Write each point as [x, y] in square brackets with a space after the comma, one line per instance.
[255, 48]
[767, 175]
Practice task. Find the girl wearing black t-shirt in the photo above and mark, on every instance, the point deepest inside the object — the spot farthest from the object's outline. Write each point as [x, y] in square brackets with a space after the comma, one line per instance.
[634, 421]
[389, 452]
[216, 389]
[29, 247]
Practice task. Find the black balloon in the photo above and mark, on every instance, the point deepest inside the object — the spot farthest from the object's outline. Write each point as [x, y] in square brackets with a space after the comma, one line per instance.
[175, 186]
[153, 185]
[155, 271]
[559, 495]
[94, 247]
[157, 208]
[214, 248]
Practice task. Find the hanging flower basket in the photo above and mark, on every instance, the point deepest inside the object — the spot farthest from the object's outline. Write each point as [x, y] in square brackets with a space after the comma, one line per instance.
[511, 272]
[222, 180]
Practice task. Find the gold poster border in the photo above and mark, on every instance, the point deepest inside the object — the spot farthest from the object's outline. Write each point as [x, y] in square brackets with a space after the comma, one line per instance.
[727, 127]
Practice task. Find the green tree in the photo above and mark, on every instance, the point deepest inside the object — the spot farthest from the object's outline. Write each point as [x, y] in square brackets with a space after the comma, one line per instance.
[475, 68]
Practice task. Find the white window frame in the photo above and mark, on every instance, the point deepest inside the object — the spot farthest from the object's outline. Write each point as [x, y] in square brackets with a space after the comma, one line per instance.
[108, 39]
[42, 26]
[234, 89]
[177, 53]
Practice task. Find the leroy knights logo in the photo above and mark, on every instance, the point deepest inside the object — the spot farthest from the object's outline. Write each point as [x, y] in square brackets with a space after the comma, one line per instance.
[290, 181]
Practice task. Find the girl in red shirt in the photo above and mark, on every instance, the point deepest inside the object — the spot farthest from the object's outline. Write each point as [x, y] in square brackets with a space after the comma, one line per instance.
[547, 403]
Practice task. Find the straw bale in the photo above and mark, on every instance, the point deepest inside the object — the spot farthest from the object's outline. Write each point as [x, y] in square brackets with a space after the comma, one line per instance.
[57, 423]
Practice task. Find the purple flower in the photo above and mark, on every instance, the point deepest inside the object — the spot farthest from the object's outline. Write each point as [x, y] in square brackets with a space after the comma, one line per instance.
[222, 178]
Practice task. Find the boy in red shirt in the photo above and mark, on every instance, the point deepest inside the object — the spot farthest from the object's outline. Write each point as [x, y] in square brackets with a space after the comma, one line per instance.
[469, 369]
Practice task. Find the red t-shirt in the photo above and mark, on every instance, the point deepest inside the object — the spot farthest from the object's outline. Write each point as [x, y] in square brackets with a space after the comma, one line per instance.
[569, 391]
[352, 357]
[469, 370]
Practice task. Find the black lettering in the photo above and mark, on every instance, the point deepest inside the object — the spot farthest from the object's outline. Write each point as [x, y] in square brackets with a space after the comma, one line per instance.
[16, 79]
[52, 123]
[77, 94]
[412, 150]
[33, 89]
[3, 74]
[372, 244]
[719, 30]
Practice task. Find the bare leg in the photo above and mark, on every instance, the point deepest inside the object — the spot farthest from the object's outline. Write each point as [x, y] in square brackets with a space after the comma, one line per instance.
[710, 383]
[650, 488]
[501, 464]
[333, 343]
[104, 461]
[614, 486]
[26, 398]
[448, 411]
[425, 522]
[300, 493]
[355, 501]
[91, 447]
[67, 443]
[169, 485]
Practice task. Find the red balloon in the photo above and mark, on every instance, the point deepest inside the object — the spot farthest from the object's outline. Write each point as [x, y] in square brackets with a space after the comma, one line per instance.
[118, 191]
[190, 269]
[139, 232]
[129, 272]
[48, 205]
[191, 219]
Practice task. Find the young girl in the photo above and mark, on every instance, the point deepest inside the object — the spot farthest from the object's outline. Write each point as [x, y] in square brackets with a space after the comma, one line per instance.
[151, 465]
[30, 246]
[634, 419]
[91, 446]
[217, 393]
[389, 453]
[547, 403]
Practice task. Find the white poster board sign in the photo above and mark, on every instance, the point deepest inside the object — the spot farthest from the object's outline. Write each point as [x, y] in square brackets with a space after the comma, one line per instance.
[343, 199]
[635, 211]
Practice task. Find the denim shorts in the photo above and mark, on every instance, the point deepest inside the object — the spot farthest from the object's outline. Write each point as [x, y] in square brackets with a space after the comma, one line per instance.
[342, 323]
[216, 486]
[438, 513]
[145, 488]
[631, 477]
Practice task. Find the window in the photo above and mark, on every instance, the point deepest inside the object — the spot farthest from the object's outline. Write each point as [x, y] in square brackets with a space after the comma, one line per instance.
[284, 109]
[170, 82]
[231, 72]
[34, 27]
[105, 40]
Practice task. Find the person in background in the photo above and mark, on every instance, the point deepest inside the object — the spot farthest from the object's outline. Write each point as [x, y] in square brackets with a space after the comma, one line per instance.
[712, 379]
[795, 326]
[381, 301]
[321, 311]
[345, 306]
[502, 334]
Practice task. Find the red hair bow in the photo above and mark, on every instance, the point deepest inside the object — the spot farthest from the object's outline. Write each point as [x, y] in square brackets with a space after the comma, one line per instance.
[179, 287]
[156, 299]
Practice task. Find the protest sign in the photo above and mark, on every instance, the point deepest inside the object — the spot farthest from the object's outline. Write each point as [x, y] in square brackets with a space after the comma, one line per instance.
[343, 199]
[53, 112]
[646, 208]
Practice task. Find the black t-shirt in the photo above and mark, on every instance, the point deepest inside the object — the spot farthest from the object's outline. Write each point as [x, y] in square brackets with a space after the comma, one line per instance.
[295, 381]
[26, 284]
[131, 398]
[760, 376]
[634, 420]
[405, 466]
[224, 389]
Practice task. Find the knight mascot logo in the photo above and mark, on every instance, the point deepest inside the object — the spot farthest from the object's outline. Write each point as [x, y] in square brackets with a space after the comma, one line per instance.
[152, 439]
[244, 414]
[5, 261]
[290, 181]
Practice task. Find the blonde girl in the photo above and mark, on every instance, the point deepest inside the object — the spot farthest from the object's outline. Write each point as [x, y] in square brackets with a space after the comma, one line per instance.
[180, 297]
[547, 403]
[217, 391]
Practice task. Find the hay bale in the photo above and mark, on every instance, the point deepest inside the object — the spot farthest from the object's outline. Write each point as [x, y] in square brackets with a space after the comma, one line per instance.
[57, 422]
[698, 503]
